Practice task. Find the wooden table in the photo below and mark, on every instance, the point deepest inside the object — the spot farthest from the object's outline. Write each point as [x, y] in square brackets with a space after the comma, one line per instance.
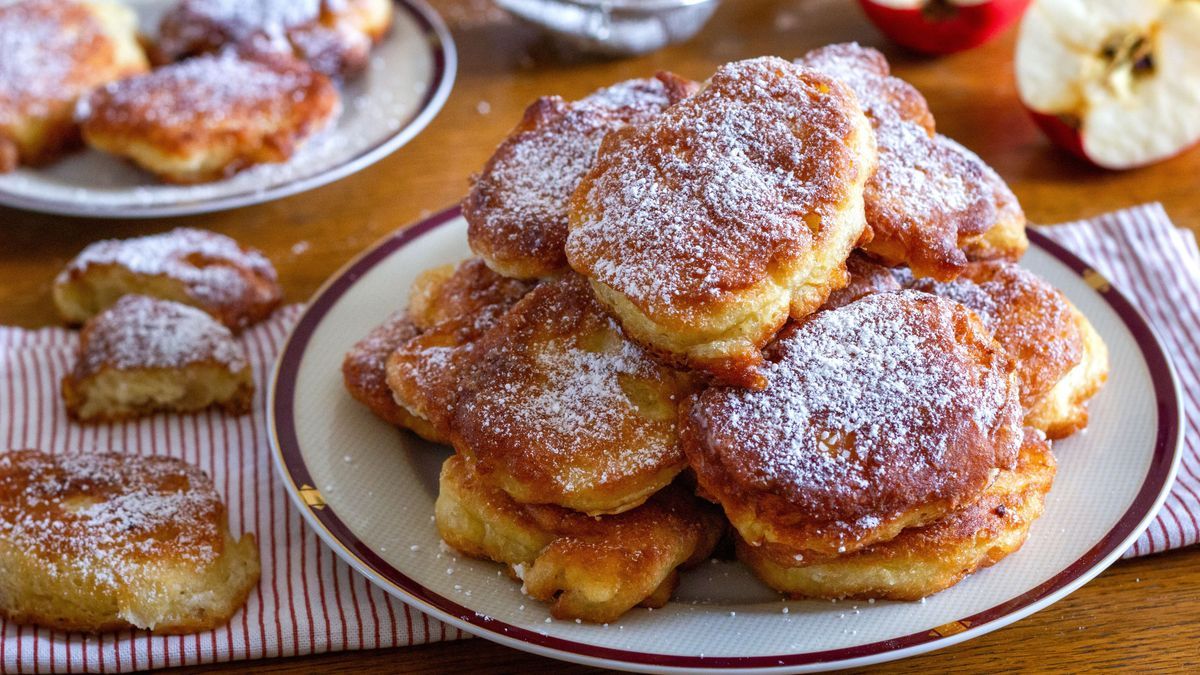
[1139, 614]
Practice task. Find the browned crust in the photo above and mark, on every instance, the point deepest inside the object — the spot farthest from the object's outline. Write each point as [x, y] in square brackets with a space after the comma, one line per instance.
[457, 301]
[567, 557]
[364, 369]
[501, 227]
[252, 131]
[925, 560]
[815, 520]
[1032, 320]
[620, 424]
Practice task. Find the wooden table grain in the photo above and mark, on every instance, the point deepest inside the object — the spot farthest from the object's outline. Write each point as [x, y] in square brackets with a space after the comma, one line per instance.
[1141, 614]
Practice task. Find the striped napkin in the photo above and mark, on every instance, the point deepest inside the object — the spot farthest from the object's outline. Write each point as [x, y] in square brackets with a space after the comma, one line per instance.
[1157, 266]
[310, 602]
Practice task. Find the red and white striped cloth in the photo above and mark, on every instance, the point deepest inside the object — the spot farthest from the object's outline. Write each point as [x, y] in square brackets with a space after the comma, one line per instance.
[1157, 266]
[310, 602]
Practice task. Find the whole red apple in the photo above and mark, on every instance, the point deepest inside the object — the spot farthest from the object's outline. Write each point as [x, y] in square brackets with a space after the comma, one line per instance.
[1116, 82]
[943, 26]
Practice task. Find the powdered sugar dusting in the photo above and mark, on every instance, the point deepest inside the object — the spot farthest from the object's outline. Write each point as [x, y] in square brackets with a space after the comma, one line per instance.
[40, 43]
[207, 262]
[967, 293]
[871, 396]
[105, 516]
[518, 206]
[205, 90]
[244, 18]
[929, 178]
[201, 22]
[142, 332]
[928, 190]
[698, 202]
[1031, 319]
[555, 388]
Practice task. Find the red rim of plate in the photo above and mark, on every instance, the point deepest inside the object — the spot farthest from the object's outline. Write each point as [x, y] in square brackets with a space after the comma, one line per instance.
[338, 535]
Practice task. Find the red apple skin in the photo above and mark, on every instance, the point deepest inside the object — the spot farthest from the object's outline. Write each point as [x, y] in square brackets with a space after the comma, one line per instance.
[969, 26]
[1070, 139]
[1061, 134]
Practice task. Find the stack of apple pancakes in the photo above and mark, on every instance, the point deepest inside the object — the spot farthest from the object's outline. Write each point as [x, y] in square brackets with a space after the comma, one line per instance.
[773, 313]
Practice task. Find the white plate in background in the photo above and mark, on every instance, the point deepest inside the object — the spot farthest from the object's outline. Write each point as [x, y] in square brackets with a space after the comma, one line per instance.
[409, 77]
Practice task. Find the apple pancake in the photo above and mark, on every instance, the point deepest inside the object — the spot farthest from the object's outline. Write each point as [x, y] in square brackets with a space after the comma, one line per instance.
[211, 116]
[932, 204]
[922, 561]
[238, 286]
[102, 542]
[886, 413]
[145, 355]
[588, 568]
[705, 228]
[516, 210]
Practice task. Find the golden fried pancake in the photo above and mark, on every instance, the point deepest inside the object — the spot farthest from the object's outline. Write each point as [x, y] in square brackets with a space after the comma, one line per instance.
[423, 375]
[144, 355]
[1031, 319]
[592, 569]
[364, 373]
[443, 294]
[333, 36]
[209, 117]
[932, 203]
[105, 542]
[51, 53]
[1063, 410]
[236, 285]
[517, 208]
[705, 228]
[552, 403]
[866, 277]
[887, 413]
[925, 560]
[469, 290]
[1006, 238]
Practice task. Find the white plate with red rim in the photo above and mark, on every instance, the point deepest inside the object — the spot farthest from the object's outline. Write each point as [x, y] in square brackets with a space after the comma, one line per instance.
[406, 83]
[368, 490]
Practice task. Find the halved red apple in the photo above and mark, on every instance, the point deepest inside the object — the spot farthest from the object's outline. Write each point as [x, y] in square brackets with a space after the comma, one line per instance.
[1116, 82]
[942, 26]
